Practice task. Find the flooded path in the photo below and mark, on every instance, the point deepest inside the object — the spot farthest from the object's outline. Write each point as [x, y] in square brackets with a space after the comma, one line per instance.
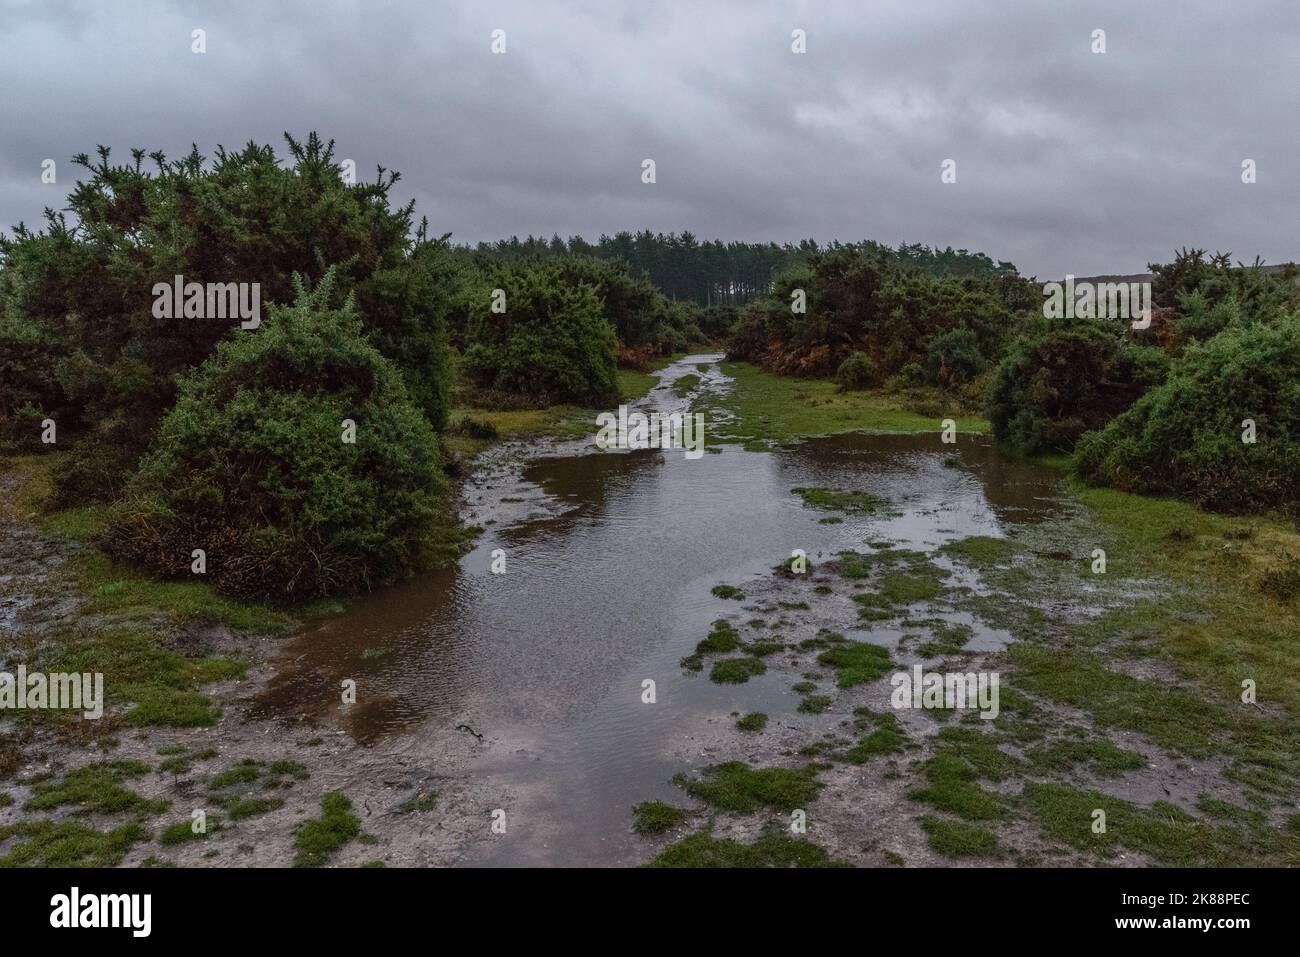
[609, 562]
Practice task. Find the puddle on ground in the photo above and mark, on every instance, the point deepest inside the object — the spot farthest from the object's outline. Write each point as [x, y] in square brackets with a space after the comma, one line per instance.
[610, 558]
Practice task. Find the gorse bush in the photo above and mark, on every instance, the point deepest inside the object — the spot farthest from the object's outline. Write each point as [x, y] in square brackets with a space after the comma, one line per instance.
[868, 298]
[645, 321]
[642, 317]
[78, 336]
[251, 465]
[856, 372]
[1185, 437]
[954, 358]
[551, 343]
[1063, 378]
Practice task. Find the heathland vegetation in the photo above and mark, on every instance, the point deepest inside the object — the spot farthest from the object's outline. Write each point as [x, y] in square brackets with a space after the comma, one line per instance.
[1203, 403]
[307, 456]
[316, 453]
[299, 455]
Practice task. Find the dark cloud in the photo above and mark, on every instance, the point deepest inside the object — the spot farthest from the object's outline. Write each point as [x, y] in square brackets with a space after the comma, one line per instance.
[1067, 161]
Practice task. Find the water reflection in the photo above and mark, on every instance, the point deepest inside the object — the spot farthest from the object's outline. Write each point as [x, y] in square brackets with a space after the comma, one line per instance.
[615, 589]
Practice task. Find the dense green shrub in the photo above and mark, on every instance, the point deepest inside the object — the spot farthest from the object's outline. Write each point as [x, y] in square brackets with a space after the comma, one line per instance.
[1184, 438]
[871, 299]
[954, 357]
[645, 321]
[1063, 378]
[1206, 294]
[856, 372]
[551, 343]
[632, 306]
[252, 467]
[716, 322]
[79, 338]
[911, 376]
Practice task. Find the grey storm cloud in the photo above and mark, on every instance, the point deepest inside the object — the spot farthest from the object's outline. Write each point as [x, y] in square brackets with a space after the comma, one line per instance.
[1067, 161]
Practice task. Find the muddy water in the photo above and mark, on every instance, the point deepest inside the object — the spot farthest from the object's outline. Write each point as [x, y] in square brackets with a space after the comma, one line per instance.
[610, 558]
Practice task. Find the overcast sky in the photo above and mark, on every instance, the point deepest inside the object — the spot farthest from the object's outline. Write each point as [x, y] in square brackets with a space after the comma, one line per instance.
[1067, 161]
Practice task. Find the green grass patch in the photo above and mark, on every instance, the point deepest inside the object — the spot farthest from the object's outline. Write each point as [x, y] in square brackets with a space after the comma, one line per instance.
[1238, 631]
[685, 385]
[856, 662]
[962, 758]
[318, 839]
[245, 772]
[888, 738]
[181, 760]
[774, 847]
[1100, 756]
[736, 671]
[981, 549]
[419, 803]
[162, 685]
[958, 839]
[655, 817]
[834, 500]
[1174, 717]
[183, 831]
[240, 808]
[721, 639]
[815, 703]
[45, 843]
[116, 590]
[770, 408]
[1165, 832]
[737, 787]
[96, 788]
[633, 385]
[80, 524]
[753, 722]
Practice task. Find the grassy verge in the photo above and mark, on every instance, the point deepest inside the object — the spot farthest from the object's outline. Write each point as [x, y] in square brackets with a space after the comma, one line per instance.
[127, 622]
[1228, 624]
[486, 426]
[765, 406]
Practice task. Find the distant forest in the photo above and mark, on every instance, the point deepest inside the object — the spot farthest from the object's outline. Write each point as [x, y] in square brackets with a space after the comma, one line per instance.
[714, 273]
